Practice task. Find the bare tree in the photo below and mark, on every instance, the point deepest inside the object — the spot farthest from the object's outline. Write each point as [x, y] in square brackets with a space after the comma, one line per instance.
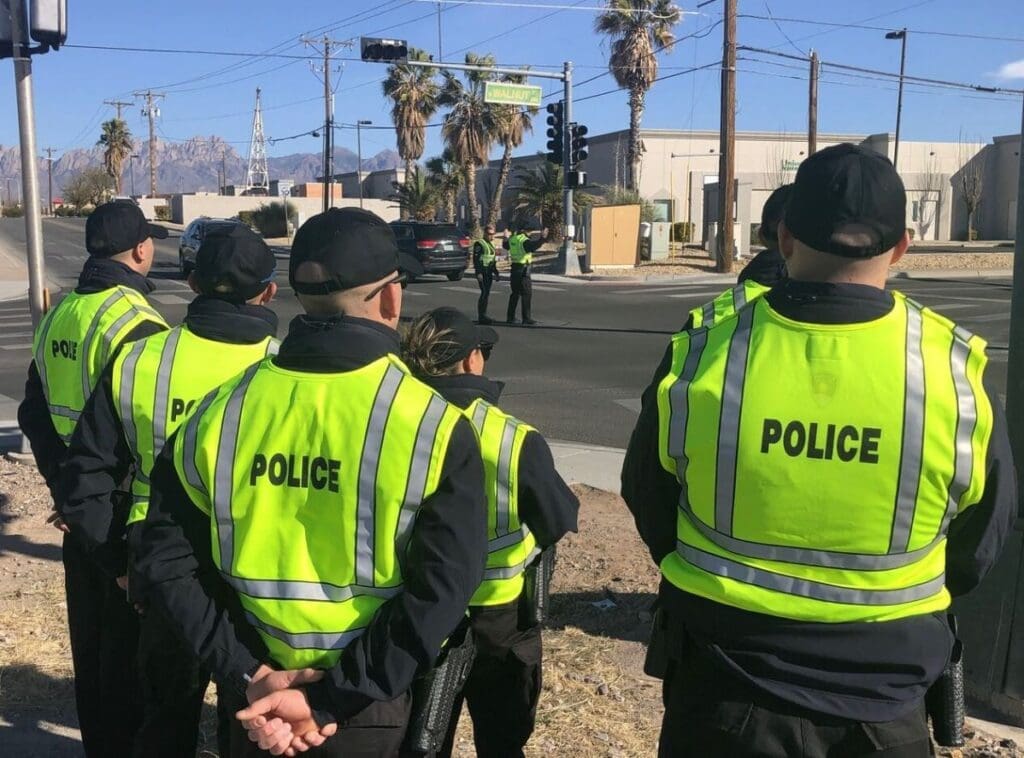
[970, 179]
[776, 163]
[929, 184]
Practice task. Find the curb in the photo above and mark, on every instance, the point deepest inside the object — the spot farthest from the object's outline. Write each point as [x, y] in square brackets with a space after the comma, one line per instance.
[659, 278]
[952, 273]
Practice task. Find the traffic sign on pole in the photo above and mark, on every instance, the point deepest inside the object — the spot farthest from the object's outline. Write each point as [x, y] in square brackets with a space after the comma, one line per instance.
[507, 93]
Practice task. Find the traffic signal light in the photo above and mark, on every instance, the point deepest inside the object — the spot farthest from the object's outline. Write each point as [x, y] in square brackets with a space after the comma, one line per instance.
[384, 50]
[578, 140]
[556, 132]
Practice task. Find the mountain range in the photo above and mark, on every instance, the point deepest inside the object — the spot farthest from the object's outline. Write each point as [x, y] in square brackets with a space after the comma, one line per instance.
[190, 166]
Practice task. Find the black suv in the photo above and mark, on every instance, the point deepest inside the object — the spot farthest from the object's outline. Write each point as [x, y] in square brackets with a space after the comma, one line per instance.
[193, 236]
[441, 248]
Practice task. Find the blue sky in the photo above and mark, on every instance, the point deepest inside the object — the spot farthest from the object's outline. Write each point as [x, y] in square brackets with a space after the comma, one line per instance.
[203, 98]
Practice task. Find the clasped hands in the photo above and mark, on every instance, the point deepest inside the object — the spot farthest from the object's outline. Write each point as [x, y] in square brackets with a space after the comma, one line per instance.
[279, 718]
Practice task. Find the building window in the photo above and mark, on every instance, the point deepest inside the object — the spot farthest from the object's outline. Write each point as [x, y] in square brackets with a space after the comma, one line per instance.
[915, 211]
[662, 210]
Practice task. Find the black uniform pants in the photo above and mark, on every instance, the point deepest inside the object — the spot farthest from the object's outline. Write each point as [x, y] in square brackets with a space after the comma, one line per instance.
[485, 279]
[710, 714]
[504, 685]
[104, 631]
[521, 287]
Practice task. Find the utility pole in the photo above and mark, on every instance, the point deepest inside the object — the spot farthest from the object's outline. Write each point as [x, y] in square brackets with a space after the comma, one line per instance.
[131, 169]
[812, 106]
[727, 142]
[224, 172]
[359, 156]
[49, 178]
[440, 57]
[902, 36]
[151, 113]
[29, 160]
[118, 105]
[328, 159]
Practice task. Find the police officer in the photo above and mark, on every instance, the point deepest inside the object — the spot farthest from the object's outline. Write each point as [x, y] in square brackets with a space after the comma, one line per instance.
[520, 251]
[73, 344]
[144, 395]
[322, 514]
[529, 509]
[764, 271]
[486, 267]
[817, 474]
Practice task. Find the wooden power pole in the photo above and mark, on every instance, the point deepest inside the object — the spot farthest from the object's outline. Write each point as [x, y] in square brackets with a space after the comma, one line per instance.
[151, 112]
[727, 143]
[118, 105]
[812, 106]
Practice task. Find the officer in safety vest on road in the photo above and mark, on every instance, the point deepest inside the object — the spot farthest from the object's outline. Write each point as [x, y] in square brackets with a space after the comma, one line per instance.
[817, 474]
[485, 267]
[141, 399]
[317, 527]
[520, 252]
[73, 345]
[529, 509]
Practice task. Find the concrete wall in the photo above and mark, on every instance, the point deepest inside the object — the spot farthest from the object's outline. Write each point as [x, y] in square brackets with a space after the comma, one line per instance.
[186, 208]
[376, 184]
[150, 204]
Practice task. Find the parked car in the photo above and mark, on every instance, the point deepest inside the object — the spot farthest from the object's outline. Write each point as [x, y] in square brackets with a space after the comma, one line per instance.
[441, 248]
[193, 236]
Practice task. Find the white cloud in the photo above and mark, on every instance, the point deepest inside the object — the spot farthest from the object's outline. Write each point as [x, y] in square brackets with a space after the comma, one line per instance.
[1012, 70]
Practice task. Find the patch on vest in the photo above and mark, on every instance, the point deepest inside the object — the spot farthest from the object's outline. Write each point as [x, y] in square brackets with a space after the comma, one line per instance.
[822, 441]
[295, 471]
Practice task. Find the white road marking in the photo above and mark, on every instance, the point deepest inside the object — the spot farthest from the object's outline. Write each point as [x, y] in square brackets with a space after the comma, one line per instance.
[472, 290]
[985, 319]
[16, 347]
[630, 404]
[6, 335]
[168, 299]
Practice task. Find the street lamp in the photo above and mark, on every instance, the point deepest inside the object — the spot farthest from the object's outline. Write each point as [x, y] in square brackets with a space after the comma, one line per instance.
[131, 170]
[902, 36]
[359, 156]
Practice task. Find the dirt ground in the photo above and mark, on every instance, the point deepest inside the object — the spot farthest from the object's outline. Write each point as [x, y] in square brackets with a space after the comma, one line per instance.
[596, 700]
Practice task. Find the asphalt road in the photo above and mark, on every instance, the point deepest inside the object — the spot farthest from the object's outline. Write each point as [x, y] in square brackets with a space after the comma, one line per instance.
[577, 376]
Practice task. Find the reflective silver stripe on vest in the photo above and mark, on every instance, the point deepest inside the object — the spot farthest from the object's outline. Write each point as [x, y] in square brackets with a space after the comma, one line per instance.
[272, 347]
[805, 556]
[729, 422]
[367, 492]
[503, 499]
[115, 328]
[511, 572]
[125, 404]
[911, 455]
[307, 640]
[679, 401]
[107, 304]
[188, 453]
[40, 354]
[791, 585]
[142, 477]
[480, 416]
[739, 297]
[163, 390]
[419, 469]
[508, 540]
[224, 472]
[967, 419]
[707, 314]
[283, 589]
[64, 412]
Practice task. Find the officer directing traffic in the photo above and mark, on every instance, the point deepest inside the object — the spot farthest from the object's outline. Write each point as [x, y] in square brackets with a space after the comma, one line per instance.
[520, 251]
[817, 474]
[529, 509]
[141, 399]
[323, 513]
[485, 266]
[72, 346]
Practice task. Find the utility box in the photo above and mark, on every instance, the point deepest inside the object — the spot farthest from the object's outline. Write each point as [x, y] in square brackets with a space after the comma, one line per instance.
[613, 234]
[661, 233]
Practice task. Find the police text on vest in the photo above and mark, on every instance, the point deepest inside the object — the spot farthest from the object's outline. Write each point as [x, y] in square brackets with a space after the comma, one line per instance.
[294, 471]
[65, 348]
[822, 441]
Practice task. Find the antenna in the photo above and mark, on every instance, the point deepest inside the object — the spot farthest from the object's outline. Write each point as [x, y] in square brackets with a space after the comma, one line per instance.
[258, 176]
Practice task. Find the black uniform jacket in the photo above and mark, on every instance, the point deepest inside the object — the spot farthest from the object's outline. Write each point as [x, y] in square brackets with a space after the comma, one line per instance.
[767, 267]
[546, 504]
[445, 557]
[861, 671]
[478, 264]
[49, 450]
[99, 458]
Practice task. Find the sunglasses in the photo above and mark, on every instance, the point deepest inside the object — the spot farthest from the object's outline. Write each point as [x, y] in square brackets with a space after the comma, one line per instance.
[399, 278]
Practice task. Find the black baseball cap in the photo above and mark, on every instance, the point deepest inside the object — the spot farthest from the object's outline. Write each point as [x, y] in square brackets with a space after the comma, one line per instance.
[356, 247]
[233, 263]
[773, 212]
[849, 201]
[116, 227]
[462, 336]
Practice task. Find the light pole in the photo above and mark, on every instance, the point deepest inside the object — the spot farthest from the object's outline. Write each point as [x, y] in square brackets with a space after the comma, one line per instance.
[359, 156]
[131, 170]
[902, 36]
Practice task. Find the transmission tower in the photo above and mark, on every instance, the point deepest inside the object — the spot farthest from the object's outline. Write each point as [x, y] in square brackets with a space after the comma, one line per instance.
[258, 176]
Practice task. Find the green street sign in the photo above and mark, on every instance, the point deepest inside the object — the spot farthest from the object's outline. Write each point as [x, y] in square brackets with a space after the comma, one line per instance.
[506, 93]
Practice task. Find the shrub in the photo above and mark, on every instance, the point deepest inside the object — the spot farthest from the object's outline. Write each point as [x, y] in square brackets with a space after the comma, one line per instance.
[66, 211]
[13, 211]
[682, 231]
[269, 219]
[162, 212]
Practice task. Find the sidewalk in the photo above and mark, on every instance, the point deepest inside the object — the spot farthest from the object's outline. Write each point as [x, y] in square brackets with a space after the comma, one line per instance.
[13, 277]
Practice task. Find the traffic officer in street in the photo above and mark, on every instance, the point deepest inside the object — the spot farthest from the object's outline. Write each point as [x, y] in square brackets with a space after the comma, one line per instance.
[530, 508]
[316, 529]
[141, 399]
[485, 266]
[520, 251]
[73, 345]
[817, 474]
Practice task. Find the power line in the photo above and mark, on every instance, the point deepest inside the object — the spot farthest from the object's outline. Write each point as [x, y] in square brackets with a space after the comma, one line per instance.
[546, 6]
[865, 27]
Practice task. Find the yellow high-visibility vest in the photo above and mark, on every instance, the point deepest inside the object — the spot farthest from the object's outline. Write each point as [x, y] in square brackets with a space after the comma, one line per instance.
[156, 383]
[821, 464]
[510, 546]
[517, 251]
[487, 256]
[727, 303]
[312, 482]
[76, 340]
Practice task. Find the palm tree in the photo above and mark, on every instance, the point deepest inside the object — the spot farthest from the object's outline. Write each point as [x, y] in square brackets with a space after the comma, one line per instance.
[469, 128]
[417, 195]
[511, 125]
[446, 175]
[413, 91]
[639, 30]
[539, 193]
[117, 140]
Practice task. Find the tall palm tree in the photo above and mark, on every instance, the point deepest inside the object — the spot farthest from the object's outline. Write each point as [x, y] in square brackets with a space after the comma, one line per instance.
[469, 128]
[539, 193]
[511, 122]
[446, 175]
[413, 91]
[117, 139]
[639, 30]
[417, 196]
